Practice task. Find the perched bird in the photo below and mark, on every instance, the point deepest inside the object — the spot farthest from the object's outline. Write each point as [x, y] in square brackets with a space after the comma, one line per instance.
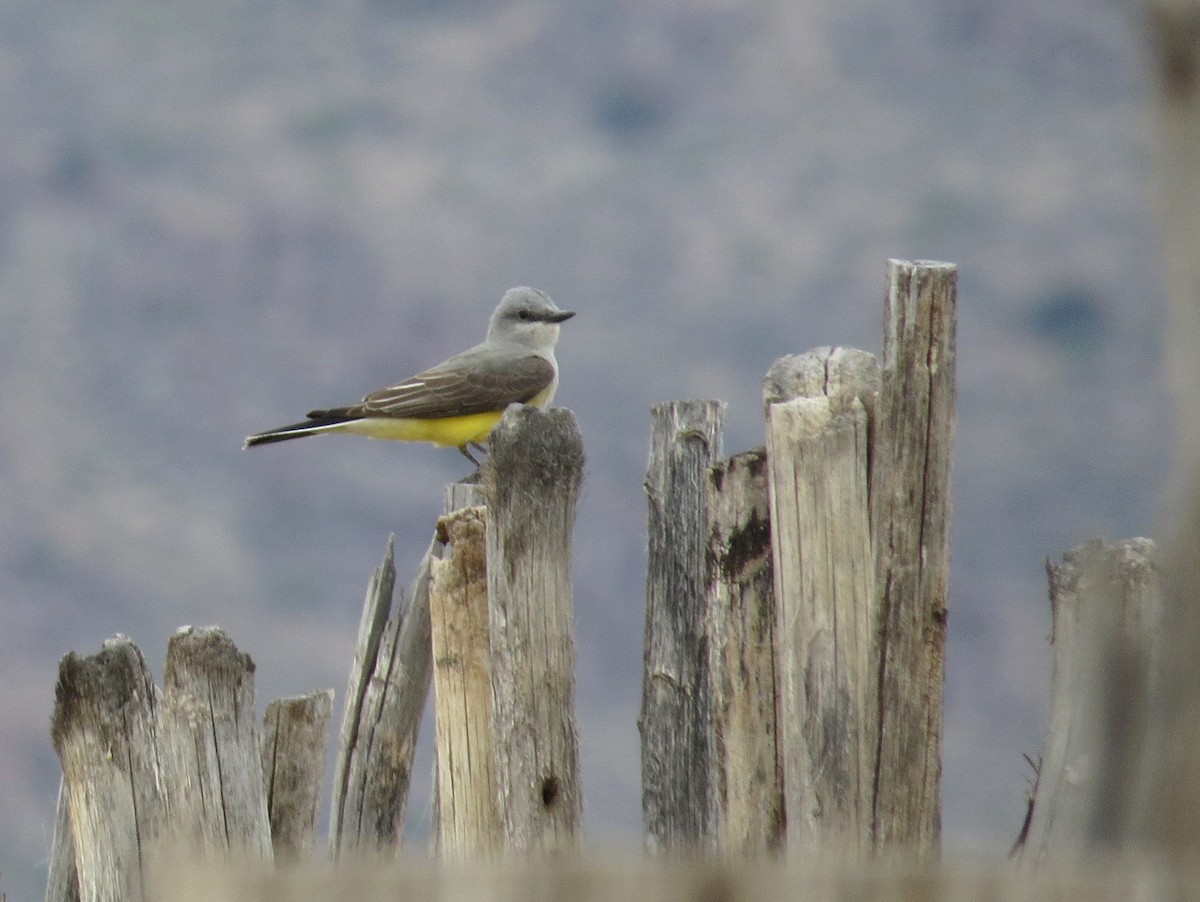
[458, 402]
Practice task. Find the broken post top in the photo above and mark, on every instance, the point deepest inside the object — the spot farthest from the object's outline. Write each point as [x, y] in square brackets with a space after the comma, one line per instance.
[839, 373]
[532, 447]
[109, 678]
[203, 652]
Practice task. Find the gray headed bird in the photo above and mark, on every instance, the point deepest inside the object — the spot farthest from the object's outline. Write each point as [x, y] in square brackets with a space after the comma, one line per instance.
[458, 402]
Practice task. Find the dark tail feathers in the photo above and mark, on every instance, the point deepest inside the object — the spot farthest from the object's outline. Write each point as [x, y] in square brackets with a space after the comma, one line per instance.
[316, 420]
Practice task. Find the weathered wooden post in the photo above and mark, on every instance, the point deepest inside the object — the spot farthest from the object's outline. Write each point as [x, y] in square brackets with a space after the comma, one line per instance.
[293, 755]
[105, 732]
[910, 525]
[819, 467]
[531, 481]
[679, 779]
[388, 684]
[1106, 604]
[741, 624]
[209, 746]
[467, 816]
[142, 767]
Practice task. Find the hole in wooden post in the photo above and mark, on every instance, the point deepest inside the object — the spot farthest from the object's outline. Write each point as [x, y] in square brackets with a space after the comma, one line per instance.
[550, 790]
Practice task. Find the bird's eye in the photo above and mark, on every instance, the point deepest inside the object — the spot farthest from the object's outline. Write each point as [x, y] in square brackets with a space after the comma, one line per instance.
[524, 314]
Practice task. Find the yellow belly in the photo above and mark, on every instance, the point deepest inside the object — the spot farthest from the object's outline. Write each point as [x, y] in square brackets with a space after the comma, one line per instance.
[453, 432]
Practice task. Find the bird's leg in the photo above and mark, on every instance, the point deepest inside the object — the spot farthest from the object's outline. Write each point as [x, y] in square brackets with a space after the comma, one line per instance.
[462, 449]
[480, 447]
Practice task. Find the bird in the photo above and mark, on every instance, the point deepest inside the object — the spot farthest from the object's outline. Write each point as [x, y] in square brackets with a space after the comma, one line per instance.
[459, 401]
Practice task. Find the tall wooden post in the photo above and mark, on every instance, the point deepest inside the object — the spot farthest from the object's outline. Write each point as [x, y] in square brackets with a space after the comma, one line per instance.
[679, 778]
[819, 466]
[742, 626]
[910, 525]
[531, 481]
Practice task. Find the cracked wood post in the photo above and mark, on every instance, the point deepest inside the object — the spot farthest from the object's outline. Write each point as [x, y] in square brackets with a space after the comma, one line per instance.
[104, 729]
[910, 524]
[679, 779]
[293, 759]
[741, 612]
[818, 461]
[467, 816]
[389, 681]
[531, 482]
[1106, 604]
[209, 746]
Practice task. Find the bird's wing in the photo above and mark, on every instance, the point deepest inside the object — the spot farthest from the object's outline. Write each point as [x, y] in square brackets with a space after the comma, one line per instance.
[476, 381]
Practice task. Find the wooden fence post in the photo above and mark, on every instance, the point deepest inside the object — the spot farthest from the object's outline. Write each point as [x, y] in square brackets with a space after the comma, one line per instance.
[531, 481]
[818, 456]
[295, 731]
[1106, 603]
[679, 782]
[144, 769]
[910, 524]
[741, 622]
[104, 729]
[389, 682]
[209, 745]
[467, 817]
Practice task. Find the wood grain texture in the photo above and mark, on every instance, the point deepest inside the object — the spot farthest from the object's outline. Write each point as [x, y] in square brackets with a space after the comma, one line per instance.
[104, 729]
[839, 373]
[531, 481]
[679, 774]
[295, 732]
[210, 747]
[824, 585]
[741, 622]
[911, 512]
[468, 819]
[388, 685]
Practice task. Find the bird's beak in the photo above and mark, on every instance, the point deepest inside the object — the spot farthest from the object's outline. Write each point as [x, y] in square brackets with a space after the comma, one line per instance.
[559, 316]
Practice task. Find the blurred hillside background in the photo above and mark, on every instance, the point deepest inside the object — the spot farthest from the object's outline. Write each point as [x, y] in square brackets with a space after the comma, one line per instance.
[216, 216]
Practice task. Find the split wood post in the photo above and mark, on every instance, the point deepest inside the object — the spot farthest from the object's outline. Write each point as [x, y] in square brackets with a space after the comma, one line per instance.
[1106, 603]
[467, 816]
[679, 779]
[104, 730]
[1167, 816]
[389, 681]
[295, 731]
[910, 524]
[209, 746]
[531, 482]
[819, 467]
[741, 612]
